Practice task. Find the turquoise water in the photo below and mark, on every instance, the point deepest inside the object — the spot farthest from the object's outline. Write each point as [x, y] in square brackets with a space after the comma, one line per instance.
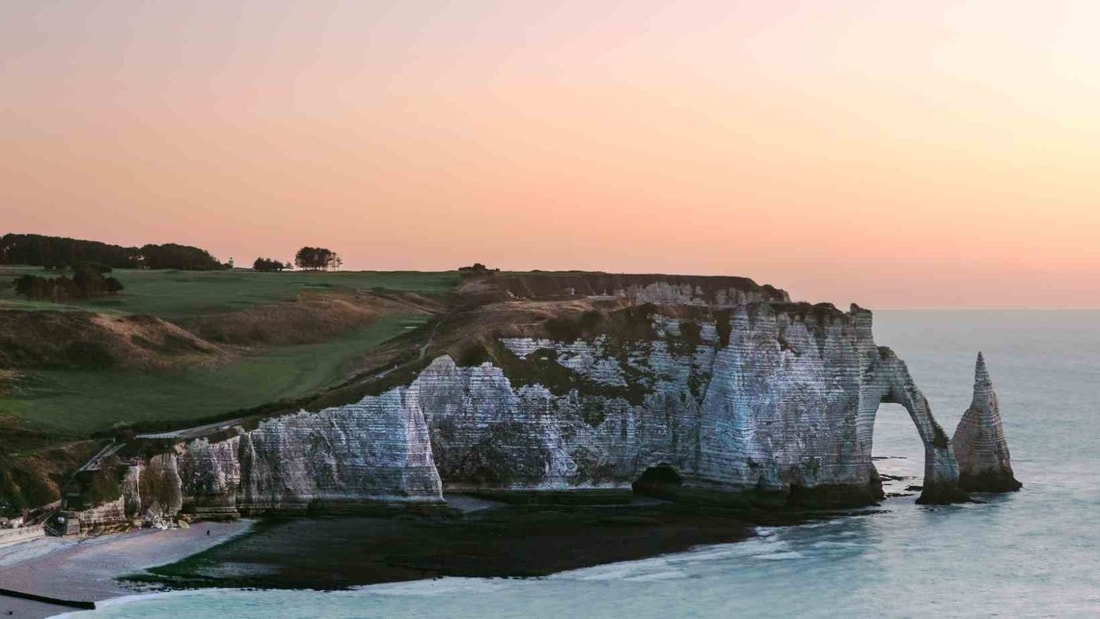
[1032, 553]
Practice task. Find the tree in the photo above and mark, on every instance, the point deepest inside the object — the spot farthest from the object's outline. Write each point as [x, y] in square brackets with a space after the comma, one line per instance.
[58, 253]
[267, 265]
[113, 285]
[477, 269]
[30, 286]
[87, 282]
[317, 259]
[181, 257]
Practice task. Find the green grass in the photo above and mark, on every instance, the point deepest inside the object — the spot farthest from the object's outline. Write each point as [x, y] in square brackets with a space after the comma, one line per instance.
[179, 294]
[85, 401]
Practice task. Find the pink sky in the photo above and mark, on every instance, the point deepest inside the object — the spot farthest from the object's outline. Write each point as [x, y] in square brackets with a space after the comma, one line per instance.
[896, 154]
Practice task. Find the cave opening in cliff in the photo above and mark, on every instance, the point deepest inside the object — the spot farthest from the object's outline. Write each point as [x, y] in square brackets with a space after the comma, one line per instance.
[661, 481]
[897, 449]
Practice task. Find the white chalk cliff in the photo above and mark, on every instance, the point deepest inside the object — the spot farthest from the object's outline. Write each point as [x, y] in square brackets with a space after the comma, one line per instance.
[740, 400]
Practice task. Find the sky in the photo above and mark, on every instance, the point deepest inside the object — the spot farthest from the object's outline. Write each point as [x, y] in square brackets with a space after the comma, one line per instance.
[934, 154]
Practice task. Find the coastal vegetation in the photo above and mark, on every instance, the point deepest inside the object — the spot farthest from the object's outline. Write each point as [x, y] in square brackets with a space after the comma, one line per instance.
[89, 400]
[317, 259]
[269, 265]
[174, 294]
[87, 282]
[170, 346]
[61, 252]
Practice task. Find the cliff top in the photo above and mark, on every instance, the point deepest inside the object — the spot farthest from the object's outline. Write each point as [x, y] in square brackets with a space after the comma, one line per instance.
[256, 344]
[653, 287]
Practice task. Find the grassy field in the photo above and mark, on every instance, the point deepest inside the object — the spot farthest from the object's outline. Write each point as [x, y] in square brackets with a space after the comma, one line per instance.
[180, 294]
[77, 402]
[45, 414]
[83, 401]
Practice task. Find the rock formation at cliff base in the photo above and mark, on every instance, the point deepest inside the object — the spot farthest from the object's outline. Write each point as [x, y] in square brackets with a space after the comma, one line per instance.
[979, 443]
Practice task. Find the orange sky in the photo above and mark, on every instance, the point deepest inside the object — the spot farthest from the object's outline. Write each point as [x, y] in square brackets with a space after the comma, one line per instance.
[896, 154]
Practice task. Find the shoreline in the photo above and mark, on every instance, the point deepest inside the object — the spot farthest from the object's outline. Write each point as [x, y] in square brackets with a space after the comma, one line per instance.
[85, 570]
[340, 553]
[136, 597]
[489, 540]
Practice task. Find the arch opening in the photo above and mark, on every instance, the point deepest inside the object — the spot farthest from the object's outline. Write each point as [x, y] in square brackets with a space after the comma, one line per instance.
[661, 481]
[897, 451]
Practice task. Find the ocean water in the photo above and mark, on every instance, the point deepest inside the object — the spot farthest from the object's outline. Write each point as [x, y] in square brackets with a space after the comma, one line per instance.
[1032, 553]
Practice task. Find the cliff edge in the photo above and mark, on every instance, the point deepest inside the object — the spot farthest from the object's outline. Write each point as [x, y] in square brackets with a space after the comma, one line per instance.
[695, 389]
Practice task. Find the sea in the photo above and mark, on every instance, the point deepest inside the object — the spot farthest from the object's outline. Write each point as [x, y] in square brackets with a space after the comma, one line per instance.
[1032, 553]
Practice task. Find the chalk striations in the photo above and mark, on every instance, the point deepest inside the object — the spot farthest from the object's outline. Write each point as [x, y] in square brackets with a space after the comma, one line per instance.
[371, 452]
[770, 398]
[979, 443]
[764, 400]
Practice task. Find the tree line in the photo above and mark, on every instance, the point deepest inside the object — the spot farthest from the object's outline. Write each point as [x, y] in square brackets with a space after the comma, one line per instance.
[307, 259]
[269, 265]
[54, 252]
[87, 282]
[58, 253]
[317, 259]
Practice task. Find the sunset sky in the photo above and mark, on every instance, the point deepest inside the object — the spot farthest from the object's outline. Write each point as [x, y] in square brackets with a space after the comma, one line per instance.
[896, 154]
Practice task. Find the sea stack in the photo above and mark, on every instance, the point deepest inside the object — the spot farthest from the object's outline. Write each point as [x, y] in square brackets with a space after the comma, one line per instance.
[979, 442]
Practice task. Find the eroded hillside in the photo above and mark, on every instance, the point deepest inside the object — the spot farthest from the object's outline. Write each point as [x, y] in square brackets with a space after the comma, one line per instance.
[74, 375]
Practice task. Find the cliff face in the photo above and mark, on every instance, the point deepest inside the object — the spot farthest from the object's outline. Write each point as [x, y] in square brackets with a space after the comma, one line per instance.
[704, 392]
[979, 442]
[374, 451]
[769, 398]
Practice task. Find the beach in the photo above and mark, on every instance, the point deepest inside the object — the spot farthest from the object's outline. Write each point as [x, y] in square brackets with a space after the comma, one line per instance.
[87, 569]
[488, 539]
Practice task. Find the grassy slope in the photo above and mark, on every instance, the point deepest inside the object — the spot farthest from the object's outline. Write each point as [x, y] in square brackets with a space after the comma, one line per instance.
[77, 402]
[84, 401]
[179, 294]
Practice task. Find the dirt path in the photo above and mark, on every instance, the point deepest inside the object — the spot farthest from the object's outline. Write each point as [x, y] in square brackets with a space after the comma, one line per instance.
[424, 348]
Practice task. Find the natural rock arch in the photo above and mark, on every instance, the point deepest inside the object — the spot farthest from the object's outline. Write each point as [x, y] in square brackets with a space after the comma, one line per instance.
[889, 382]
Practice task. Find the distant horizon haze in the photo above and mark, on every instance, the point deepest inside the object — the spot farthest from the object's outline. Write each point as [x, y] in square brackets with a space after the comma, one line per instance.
[897, 155]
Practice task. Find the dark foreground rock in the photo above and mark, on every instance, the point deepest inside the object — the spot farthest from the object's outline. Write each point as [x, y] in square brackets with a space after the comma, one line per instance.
[512, 541]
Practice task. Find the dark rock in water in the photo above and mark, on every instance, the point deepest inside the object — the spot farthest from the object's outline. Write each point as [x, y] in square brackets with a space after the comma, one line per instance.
[510, 541]
[979, 443]
[941, 494]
